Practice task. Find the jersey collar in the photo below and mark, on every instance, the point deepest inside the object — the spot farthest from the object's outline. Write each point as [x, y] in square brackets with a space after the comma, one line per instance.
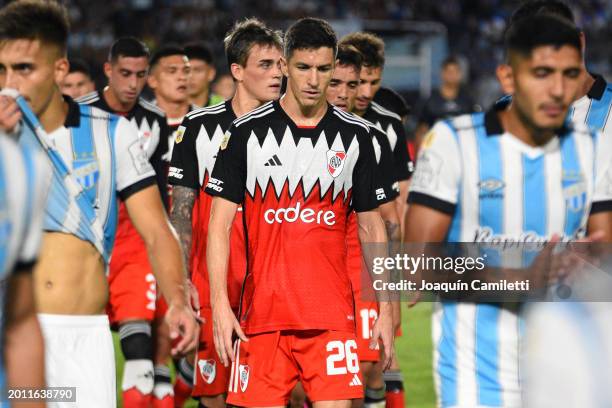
[73, 118]
[598, 88]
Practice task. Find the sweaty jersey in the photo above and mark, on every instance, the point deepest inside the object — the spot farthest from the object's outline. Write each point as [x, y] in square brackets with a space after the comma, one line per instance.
[106, 157]
[393, 127]
[498, 189]
[193, 158]
[298, 186]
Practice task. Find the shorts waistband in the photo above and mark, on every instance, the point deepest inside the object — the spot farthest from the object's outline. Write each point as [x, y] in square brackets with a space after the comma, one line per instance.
[73, 321]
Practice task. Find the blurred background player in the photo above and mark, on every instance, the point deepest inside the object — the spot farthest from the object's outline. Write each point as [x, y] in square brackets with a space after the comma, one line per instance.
[451, 99]
[78, 82]
[372, 48]
[202, 74]
[253, 55]
[132, 284]
[224, 86]
[24, 183]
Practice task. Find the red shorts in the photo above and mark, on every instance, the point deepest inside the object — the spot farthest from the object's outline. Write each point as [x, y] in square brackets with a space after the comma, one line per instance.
[211, 376]
[269, 365]
[132, 287]
[367, 313]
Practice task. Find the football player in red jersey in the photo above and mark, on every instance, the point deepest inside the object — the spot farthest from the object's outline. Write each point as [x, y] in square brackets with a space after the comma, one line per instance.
[299, 166]
[253, 53]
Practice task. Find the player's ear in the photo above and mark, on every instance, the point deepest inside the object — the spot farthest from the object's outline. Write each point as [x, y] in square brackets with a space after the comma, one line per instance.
[284, 67]
[505, 76]
[108, 69]
[151, 81]
[237, 71]
[61, 68]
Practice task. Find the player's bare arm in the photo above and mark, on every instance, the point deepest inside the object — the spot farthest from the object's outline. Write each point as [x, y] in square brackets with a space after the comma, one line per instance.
[601, 223]
[148, 216]
[224, 322]
[388, 212]
[183, 199]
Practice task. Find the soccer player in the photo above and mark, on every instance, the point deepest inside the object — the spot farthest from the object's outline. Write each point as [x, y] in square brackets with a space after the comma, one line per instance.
[253, 55]
[373, 50]
[224, 86]
[132, 284]
[97, 159]
[341, 92]
[24, 182]
[202, 74]
[78, 82]
[552, 178]
[298, 166]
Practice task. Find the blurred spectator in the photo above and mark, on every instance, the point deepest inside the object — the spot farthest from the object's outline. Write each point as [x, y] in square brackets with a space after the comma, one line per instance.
[78, 82]
[224, 86]
[202, 74]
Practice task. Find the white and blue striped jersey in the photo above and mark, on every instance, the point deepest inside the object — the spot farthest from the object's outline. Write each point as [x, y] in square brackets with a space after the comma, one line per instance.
[593, 109]
[498, 189]
[105, 155]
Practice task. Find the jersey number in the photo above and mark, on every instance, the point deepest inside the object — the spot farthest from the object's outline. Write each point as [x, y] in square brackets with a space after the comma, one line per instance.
[343, 351]
[367, 316]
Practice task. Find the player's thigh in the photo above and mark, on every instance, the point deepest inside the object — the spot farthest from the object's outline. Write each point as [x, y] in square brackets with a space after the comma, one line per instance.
[132, 291]
[211, 376]
[218, 401]
[333, 404]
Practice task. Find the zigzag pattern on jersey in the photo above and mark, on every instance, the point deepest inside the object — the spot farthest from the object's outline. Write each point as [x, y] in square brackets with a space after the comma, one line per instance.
[207, 110]
[207, 147]
[305, 164]
[147, 134]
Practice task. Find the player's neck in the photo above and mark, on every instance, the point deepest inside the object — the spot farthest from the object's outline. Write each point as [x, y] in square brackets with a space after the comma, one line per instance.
[114, 103]
[54, 114]
[172, 109]
[300, 114]
[513, 122]
[202, 98]
[449, 92]
[243, 102]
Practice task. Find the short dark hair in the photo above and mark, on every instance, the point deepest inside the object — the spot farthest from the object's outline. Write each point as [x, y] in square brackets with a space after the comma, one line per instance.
[450, 60]
[199, 51]
[79, 65]
[534, 7]
[391, 100]
[46, 21]
[128, 47]
[371, 46]
[349, 56]
[526, 34]
[310, 34]
[244, 35]
[163, 52]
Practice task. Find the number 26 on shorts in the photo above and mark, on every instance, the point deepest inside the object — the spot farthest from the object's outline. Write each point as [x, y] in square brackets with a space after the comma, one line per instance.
[344, 358]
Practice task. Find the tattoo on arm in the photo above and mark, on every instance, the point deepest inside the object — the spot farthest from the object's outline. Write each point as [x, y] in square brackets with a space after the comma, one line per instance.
[393, 231]
[183, 199]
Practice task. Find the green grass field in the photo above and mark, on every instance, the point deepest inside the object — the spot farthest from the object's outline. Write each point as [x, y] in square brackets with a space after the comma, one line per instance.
[413, 350]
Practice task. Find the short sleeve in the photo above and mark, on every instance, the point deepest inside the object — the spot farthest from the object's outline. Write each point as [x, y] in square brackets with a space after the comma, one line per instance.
[386, 183]
[364, 174]
[435, 182]
[228, 179]
[184, 162]
[401, 159]
[602, 197]
[132, 167]
[159, 164]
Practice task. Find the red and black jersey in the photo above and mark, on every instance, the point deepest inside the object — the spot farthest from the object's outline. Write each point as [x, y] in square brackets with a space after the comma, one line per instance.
[193, 158]
[298, 187]
[393, 127]
[387, 188]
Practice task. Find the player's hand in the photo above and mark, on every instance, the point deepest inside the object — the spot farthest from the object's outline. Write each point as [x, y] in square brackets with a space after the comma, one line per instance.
[383, 331]
[182, 322]
[10, 114]
[224, 326]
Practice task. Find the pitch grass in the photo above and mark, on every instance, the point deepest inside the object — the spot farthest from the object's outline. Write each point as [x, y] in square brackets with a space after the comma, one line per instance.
[413, 349]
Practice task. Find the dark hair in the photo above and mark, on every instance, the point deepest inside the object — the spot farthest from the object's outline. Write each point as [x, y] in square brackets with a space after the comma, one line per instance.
[450, 60]
[244, 35]
[46, 21]
[371, 47]
[349, 55]
[200, 52]
[78, 65]
[391, 100]
[128, 47]
[534, 7]
[540, 30]
[163, 52]
[310, 34]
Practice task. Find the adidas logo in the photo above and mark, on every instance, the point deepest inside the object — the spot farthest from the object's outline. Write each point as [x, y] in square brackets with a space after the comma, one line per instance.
[355, 382]
[274, 161]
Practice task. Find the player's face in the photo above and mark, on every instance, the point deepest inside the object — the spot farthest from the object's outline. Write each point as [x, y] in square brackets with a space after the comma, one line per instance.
[170, 78]
[76, 84]
[127, 77]
[451, 74]
[201, 76]
[308, 74]
[262, 75]
[369, 84]
[342, 89]
[34, 69]
[545, 85]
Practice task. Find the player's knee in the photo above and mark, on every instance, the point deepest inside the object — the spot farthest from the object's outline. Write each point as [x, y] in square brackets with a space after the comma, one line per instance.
[136, 341]
[374, 397]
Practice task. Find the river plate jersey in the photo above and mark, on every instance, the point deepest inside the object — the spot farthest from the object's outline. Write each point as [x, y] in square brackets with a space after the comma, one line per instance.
[498, 189]
[297, 186]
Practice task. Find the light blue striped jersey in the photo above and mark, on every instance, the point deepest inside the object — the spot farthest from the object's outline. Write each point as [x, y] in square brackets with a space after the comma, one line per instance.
[499, 189]
[105, 155]
[593, 109]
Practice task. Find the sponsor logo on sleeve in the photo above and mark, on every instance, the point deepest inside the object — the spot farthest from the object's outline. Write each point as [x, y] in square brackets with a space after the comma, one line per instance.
[139, 157]
[215, 184]
[175, 172]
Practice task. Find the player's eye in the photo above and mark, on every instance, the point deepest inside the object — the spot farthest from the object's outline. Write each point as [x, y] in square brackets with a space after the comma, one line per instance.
[334, 83]
[24, 69]
[541, 72]
[572, 73]
[352, 85]
[302, 67]
[141, 74]
[325, 68]
[265, 64]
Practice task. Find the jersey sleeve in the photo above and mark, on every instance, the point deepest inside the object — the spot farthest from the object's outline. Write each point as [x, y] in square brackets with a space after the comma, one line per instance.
[364, 176]
[228, 178]
[157, 161]
[401, 158]
[602, 197]
[184, 163]
[435, 183]
[132, 167]
[386, 182]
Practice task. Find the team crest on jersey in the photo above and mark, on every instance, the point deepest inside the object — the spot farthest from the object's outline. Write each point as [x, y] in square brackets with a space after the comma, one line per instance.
[575, 196]
[335, 162]
[208, 370]
[180, 132]
[87, 174]
[243, 372]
